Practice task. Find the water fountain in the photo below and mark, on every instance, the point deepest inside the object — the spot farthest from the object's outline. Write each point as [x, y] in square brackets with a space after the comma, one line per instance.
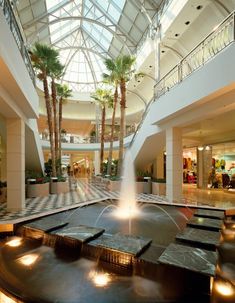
[105, 253]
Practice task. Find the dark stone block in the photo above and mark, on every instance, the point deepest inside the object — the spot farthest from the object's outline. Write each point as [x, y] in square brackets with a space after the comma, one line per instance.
[46, 224]
[132, 245]
[191, 258]
[209, 213]
[81, 233]
[199, 237]
[205, 223]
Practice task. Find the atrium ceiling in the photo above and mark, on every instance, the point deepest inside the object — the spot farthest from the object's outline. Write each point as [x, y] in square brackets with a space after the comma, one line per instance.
[86, 32]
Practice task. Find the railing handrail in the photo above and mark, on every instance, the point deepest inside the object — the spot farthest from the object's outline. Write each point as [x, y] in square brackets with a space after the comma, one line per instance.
[232, 14]
[195, 47]
[142, 119]
[11, 20]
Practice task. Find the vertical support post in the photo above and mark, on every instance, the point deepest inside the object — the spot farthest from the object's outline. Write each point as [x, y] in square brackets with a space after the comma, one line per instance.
[174, 164]
[15, 164]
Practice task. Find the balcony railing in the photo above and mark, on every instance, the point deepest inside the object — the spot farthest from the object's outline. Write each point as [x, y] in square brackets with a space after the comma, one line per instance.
[11, 20]
[222, 36]
[75, 139]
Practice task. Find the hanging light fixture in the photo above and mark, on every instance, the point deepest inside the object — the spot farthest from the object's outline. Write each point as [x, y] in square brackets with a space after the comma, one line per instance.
[200, 148]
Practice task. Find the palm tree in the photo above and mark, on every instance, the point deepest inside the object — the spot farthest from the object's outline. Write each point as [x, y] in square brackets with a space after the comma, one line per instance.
[43, 57]
[103, 97]
[63, 93]
[124, 71]
[112, 79]
[56, 72]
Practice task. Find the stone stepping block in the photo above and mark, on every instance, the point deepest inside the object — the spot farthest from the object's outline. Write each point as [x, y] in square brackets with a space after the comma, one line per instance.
[199, 236]
[208, 213]
[81, 233]
[127, 244]
[205, 223]
[191, 258]
[46, 224]
[152, 254]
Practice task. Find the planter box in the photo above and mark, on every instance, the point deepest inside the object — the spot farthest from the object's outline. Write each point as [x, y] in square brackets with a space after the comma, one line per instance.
[37, 190]
[3, 195]
[59, 187]
[159, 189]
[113, 185]
[139, 187]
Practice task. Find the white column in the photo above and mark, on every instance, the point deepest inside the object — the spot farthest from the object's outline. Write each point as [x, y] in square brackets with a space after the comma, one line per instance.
[97, 162]
[15, 164]
[157, 52]
[174, 163]
[3, 161]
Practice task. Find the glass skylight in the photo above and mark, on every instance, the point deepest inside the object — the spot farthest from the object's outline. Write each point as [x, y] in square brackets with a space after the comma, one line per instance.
[83, 30]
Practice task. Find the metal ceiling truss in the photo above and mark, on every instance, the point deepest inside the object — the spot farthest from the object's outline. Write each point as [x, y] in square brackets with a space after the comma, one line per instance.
[118, 37]
[46, 14]
[118, 27]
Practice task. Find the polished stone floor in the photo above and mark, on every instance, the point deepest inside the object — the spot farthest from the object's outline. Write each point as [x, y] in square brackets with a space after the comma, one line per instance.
[85, 191]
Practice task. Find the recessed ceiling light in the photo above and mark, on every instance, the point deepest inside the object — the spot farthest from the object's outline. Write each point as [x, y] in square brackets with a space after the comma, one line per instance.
[139, 81]
[176, 35]
[163, 51]
[150, 66]
[199, 7]
[187, 22]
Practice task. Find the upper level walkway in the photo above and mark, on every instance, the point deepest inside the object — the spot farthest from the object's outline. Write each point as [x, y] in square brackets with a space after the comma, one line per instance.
[201, 86]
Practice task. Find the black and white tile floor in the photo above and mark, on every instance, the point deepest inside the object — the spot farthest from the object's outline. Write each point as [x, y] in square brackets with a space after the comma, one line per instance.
[83, 191]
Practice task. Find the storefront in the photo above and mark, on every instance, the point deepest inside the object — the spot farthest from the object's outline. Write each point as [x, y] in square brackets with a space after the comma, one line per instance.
[210, 166]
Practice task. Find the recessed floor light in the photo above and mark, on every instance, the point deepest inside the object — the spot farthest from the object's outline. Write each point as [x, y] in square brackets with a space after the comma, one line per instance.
[187, 22]
[199, 7]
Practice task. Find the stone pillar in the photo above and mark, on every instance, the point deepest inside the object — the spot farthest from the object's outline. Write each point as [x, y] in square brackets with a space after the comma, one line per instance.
[3, 161]
[15, 164]
[97, 162]
[204, 165]
[160, 166]
[174, 164]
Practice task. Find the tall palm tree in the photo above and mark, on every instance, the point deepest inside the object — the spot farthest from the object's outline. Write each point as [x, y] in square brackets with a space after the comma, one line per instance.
[43, 57]
[103, 97]
[63, 93]
[124, 69]
[56, 72]
[111, 78]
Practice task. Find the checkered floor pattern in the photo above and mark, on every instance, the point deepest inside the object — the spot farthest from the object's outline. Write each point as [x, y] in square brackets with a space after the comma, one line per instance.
[81, 191]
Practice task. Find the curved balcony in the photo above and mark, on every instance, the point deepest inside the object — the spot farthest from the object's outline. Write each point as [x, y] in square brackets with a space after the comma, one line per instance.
[74, 142]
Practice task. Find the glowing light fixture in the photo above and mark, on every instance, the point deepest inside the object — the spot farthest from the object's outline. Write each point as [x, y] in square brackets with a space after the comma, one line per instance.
[207, 147]
[100, 279]
[126, 213]
[224, 288]
[200, 148]
[5, 299]
[14, 242]
[28, 260]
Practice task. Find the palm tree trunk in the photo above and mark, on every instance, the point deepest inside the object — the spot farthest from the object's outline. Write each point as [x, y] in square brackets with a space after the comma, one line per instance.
[60, 127]
[122, 125]
[53, 95]
[112, 132]
[102, 139]
[49, 122]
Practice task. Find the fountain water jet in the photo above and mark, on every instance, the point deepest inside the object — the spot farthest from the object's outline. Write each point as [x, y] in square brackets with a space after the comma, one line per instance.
[127, 207]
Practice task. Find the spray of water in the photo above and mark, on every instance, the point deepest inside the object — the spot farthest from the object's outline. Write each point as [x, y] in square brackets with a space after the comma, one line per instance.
[127, 207]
